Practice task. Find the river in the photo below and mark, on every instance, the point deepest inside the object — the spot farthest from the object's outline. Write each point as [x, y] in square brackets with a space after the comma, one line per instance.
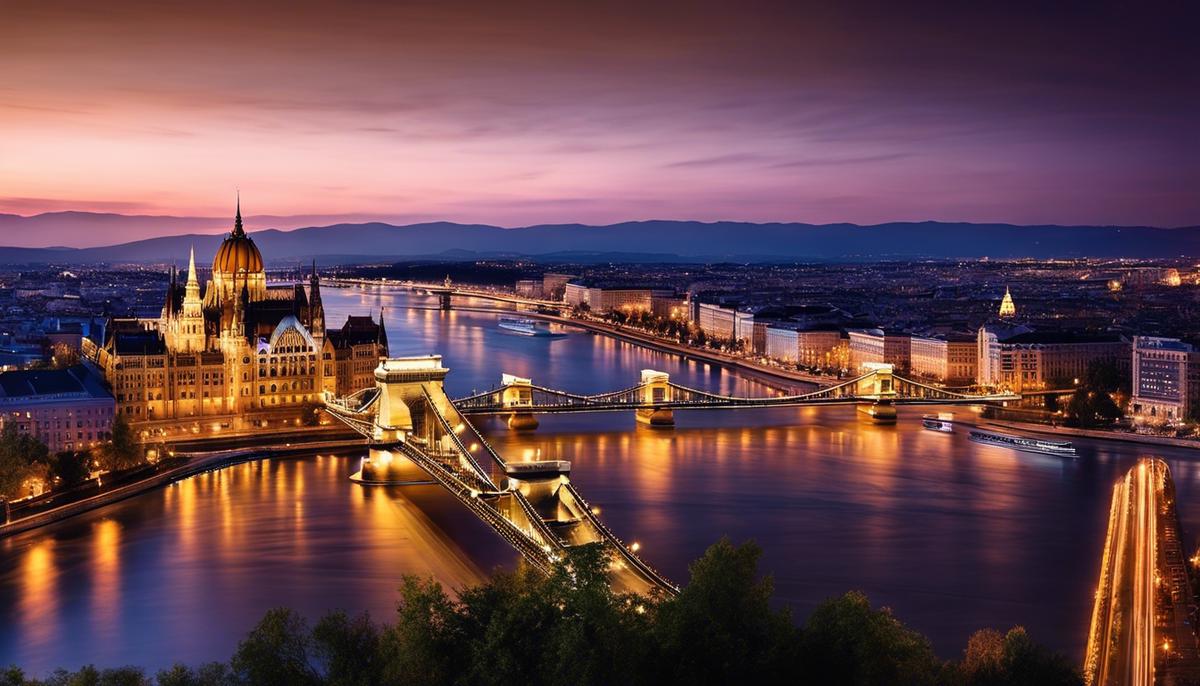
[952, 535]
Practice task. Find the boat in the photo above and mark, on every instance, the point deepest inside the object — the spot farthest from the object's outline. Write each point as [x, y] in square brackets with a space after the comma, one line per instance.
[942, 421]
[1029, 445]
[527, 327]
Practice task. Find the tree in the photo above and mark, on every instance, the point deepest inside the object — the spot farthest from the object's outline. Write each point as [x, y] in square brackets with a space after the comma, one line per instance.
[211, 674]
[846, 641]
[90, 676]
[310, 414]
[995, 659]
[21, 457]
[348, 648]
[421, 647]
[276, 653]
[63, 356]
[71, 468]
[122, 451]
[721, 628]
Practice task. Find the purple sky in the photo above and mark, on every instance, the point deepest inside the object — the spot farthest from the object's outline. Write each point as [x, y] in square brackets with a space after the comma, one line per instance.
[515, 113]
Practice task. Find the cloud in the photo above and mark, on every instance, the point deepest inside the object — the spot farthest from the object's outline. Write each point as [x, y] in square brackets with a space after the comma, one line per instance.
[29, 206]
[841, 161]
[718, 161]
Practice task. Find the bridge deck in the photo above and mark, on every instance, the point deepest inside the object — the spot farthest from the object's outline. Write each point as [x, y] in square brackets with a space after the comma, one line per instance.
[509, 512]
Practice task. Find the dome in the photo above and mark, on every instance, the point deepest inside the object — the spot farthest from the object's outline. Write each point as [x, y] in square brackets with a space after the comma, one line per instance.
[238, 254]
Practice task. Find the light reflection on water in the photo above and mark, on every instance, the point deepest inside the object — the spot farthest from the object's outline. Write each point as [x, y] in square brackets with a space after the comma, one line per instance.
[953, 535]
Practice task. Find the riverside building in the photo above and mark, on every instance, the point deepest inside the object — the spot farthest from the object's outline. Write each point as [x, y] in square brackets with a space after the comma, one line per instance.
[1166, 380]
[239, 354]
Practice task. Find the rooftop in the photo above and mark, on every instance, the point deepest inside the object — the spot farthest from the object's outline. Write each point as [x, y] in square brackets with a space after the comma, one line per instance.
[74, 381]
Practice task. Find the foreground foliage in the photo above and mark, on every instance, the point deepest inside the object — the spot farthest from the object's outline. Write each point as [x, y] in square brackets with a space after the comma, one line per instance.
[569, 628]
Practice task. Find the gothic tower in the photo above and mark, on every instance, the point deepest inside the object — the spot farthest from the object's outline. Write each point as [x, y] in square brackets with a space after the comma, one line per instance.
[190, 325]
[316, 310]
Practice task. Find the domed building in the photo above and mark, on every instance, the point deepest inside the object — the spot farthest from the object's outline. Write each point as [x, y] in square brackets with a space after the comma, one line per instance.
[238, 263]
[245, 354]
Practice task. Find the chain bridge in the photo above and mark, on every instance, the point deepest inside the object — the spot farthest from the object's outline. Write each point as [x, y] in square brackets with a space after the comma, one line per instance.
[655, 398]
[416, 433]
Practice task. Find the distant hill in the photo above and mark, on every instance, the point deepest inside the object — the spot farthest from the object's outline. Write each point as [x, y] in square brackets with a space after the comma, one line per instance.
[651, 241]
[89, 229]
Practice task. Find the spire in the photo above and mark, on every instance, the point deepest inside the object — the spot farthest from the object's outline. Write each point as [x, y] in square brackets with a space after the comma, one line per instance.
[382, 338]
[237, 220]
[192, 267]
[169, 306]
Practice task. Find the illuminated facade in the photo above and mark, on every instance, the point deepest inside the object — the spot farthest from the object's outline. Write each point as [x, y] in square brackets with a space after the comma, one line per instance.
[875, 346]
[244, 351]
[724, 323]
[783, 344]
[1166, 380]
[950, 359]
[67, 409]
[1008, 309]
[1020, 359]
[823, 348]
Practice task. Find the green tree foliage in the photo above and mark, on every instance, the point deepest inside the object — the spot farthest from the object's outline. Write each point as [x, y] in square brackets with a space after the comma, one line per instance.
[122, 451]
[211, 674]
[1099, 398]
[349, 649]
[993, 659]
[277, 652]
[569, 627]
[846, 641]
[721, 628]
[90, 676]
[71, 468]
[21, 457]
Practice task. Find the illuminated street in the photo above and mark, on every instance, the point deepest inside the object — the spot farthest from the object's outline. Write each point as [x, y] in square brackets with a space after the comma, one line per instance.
[1136, 636]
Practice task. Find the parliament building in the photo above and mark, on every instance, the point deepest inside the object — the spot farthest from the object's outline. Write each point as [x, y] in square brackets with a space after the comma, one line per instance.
[238, 354]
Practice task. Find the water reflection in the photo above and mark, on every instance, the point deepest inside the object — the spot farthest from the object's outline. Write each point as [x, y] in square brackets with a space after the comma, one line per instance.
[953, 535]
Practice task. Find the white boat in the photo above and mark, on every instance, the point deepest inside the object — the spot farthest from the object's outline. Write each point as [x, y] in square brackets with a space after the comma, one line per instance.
[526, 327]
[1029, 445]
[942, 421]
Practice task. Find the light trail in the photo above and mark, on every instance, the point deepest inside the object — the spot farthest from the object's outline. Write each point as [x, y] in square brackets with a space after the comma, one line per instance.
[1123, 640]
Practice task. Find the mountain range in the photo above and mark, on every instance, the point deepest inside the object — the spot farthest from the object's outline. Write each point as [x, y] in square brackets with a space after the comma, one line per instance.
[642, 241]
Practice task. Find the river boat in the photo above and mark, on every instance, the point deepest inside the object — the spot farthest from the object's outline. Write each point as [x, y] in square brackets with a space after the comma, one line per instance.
[942, 421]
[527, 327]
[1029, 445]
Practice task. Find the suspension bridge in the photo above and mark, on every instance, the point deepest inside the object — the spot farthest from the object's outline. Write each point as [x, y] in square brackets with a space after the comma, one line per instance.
[412, 426]
[655, 398]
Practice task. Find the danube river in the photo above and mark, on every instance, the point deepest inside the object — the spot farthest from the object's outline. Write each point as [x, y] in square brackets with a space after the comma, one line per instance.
[952, 535]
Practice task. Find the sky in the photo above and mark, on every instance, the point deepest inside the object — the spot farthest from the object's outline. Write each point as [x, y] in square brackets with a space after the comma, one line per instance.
[517, 113]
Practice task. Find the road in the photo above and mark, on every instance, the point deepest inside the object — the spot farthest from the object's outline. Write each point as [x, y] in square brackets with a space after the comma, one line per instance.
[1140, 632]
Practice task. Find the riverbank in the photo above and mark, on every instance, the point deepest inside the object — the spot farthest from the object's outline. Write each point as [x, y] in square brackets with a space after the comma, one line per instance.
[196, 463]
[1101, 434]
[778, 379]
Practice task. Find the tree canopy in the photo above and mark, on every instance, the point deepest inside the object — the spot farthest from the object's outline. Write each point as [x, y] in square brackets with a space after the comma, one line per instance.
[570, 628]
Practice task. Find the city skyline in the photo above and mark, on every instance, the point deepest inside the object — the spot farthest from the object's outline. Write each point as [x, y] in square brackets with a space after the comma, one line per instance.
[541, 114]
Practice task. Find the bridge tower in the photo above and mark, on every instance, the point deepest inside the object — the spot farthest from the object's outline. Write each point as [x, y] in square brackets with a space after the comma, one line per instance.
[655, 389]
[400, 382]
[518, 395]
[880, 385]
[443, 293]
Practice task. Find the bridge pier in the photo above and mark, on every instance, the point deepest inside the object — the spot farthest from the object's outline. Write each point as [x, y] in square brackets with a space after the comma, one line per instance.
[518, 395]
[522, 421]
[882, 411]
[663, 419]
[385, 467]
[656, 388]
